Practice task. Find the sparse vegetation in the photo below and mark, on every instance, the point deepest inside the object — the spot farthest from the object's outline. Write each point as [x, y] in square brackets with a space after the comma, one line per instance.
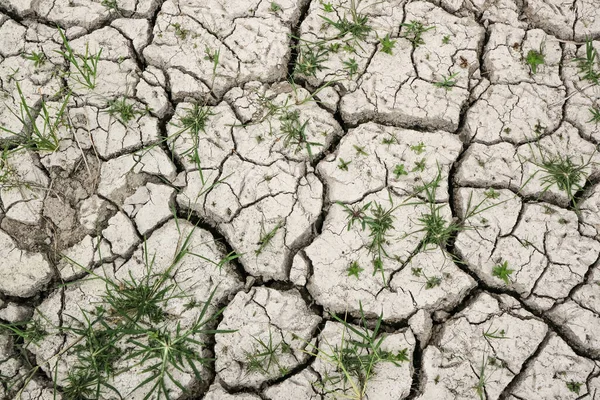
[38, 58]
[502, 271]
[86, 65]
[534, 59]
[413, 31]
[447, 82]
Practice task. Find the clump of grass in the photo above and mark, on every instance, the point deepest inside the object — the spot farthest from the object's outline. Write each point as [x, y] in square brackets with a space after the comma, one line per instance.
[111, 5]
[122, 110]
[413, 32]
[534, 59]
[40, 128]
[589, 65]
[564, 172]
[294, 132]
[357, 26]
[502, 271]
[310, 59]
[38, 58]
[266, 356]
[274, 7]
[343, 165]
[356, 357]
[399, 171]
[447, 82]
[194, 119]
[180, 31]
[595, 111]
[86, 65]
[354, 269]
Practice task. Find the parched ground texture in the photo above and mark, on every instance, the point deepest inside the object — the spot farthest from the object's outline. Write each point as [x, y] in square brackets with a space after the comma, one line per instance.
[299, 199]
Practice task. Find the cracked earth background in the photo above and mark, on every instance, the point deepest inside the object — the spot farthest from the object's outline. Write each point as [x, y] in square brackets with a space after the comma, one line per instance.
[112, 189]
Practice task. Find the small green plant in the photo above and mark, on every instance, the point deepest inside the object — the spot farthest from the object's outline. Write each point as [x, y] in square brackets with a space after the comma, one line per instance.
[360, 151]
[491, 193]
[355, 358]
[356, 26]
[39, 135]
[595, 111]
[446, 39]
[111, 5]
[310, 59]
[563, 172]
[502, 271]
[343, 165]
[418, 148]
[420, 165]
[495, 334]
[266, 237]
[589, 66]
[351, 66]
[194, 119]
[447, 82]
[122, 110]
[86, 65]
[380, 223]
[327, 7]
[399, 171]
[413, 32]
[294, 132]
[266, 355]
[574, 387]
[39, 58]
[180, 32]
[354, 269]
[534, 59]
[274, 8]
[387, 45]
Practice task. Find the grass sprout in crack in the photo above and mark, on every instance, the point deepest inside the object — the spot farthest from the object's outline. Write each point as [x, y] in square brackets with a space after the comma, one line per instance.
[293, 132]
[589, 65]
[564, 172]
[354, 359]
[357, 26]
[413, 31]
[123, 111]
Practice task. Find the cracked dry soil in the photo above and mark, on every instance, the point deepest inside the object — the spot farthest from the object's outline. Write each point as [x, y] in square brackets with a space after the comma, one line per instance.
[300, 199]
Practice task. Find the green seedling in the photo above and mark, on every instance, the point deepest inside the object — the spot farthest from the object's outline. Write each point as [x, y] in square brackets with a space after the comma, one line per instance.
[274, 7]
[419, 165]
[86, 65]
[266, 355]
[589, 66]
[356, 214]
[418, 148]
[491, 193]
[25, 332]
[294, 133]
[502, 271]
[595, 111]
[266, 237]
[446, 39]
[495, 334]
[355, 358]
[357, 26]
[399, 171]
[387, 45]
[180, 32]
[351, 66]
[430, 281]
[447, 82]
[343, 165]
[354, 269]
[327, 7]
[574, 387]
[414, 31]
[195, 118]
[39, 59]
[360, 151]
[122, 110]
[310, 59]
[534, 59]
[111, 5]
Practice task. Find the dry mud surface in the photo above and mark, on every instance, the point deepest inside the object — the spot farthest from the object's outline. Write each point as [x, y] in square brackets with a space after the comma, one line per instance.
[300, 199]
